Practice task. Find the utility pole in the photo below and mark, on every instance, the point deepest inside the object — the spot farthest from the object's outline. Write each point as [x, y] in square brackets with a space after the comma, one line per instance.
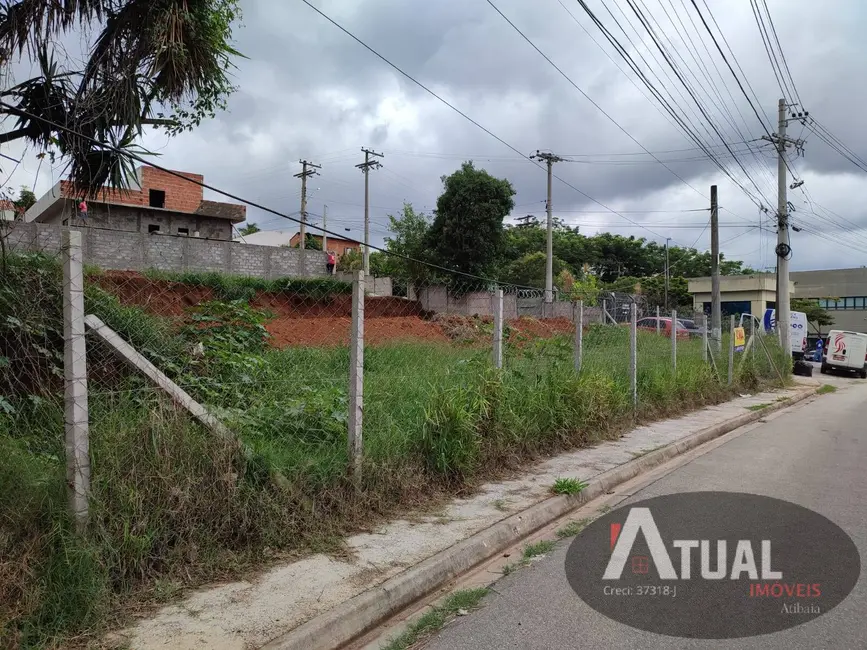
[549, 159]
[307, 169]
[716, 300]
[667, 272]
[324, 229]
[365, 168]
[784, 249]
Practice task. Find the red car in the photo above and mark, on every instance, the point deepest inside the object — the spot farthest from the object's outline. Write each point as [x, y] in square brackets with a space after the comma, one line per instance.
[649, 325]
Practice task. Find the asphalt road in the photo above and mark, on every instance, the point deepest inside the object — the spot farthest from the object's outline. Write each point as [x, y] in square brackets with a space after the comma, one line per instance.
[814, 455]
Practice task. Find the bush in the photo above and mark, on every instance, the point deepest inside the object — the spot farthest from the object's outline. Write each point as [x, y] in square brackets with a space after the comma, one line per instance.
[230, 288]
[456, 419]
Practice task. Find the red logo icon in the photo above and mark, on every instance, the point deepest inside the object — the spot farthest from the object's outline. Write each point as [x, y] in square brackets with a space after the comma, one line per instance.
[640, 564]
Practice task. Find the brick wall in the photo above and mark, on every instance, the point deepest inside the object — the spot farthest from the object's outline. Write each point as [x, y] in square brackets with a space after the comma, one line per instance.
[339, 246]
[181, 195]
[137, 251]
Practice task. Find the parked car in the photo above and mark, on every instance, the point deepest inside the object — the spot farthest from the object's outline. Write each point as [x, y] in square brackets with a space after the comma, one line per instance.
[649, 325]
[691, 326]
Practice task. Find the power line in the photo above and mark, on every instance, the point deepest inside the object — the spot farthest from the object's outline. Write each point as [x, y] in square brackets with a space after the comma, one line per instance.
[731, 69]
[235, 197]
[633, 66]
[840, 150]
[687, 126]
[590, 99]
[668, 59]
[797, 95]
[761, 164]
[772, 56]
[458, 111]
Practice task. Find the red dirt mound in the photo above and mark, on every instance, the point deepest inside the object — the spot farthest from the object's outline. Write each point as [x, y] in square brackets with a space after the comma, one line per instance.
[304, 321]
[330, 331]
[156, 296]
[165, 298]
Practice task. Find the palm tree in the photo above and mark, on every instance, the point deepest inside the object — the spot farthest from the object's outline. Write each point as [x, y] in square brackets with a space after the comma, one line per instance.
[149, 62]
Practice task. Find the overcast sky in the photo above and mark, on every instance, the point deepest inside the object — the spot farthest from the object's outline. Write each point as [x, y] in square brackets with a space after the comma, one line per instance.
[307, 90]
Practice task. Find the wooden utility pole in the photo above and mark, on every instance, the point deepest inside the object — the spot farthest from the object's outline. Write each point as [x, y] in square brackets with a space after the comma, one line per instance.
[307, 169]
[365, 168]
[549, 159]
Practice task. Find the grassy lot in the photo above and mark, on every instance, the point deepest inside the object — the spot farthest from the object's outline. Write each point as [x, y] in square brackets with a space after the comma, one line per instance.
[174, 506]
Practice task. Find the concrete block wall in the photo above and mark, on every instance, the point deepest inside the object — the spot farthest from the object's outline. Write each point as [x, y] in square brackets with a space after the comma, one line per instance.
[133, 219]
[379, 287]
[137, 251]
[479, 303]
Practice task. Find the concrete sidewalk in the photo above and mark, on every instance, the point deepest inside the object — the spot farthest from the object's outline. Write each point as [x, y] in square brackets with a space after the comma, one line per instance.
[248, 614]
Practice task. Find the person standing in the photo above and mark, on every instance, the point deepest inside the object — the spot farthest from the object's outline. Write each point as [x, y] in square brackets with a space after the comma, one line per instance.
[330, 263]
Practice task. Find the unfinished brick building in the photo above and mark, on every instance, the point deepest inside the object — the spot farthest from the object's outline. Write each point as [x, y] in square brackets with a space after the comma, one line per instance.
[157, 203]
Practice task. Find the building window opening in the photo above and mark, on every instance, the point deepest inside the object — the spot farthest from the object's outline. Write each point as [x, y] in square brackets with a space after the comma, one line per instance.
[157, 198]
[184, 231]
[152, 227]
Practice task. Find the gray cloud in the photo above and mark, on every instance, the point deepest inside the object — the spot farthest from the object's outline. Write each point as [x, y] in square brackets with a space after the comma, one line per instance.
[307, 90]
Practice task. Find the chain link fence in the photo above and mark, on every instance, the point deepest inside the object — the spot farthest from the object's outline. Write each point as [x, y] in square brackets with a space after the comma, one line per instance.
[212, 419]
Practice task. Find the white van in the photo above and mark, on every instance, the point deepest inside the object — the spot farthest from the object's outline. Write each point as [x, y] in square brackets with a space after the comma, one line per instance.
[798, 336]
[845, 351]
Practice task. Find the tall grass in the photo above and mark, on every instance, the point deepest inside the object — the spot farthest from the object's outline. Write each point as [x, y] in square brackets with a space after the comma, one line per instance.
[174, 506]
[242, 287]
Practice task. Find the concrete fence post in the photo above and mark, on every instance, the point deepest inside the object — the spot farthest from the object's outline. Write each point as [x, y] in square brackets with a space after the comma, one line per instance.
[657, 319]
[77, 441]
[633, 353]
[498, 328]
[578, 319]
[704, 338]
[674, 340]
[356, 375]
[731, 348]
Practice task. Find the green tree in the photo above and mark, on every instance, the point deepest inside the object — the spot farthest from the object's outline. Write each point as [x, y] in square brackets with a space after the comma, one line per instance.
[653, 289]
[142, 57]
[574, 249]
[529, 270]
[311, 243]
[583, 288]
[249, 229]
[26, 198]
[410, 230]
[350, 261]
[816, 315]
[467, 232]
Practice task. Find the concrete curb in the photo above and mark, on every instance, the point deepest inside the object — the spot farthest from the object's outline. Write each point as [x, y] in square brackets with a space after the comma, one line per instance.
[350, 619]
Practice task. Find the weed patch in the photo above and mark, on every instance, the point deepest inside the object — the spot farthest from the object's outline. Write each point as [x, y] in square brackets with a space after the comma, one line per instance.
[433, 620]
[568, 486]
[539, 548]
[573, 528]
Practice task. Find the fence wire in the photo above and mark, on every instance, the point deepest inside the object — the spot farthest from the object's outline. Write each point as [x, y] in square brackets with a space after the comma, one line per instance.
[269, 361]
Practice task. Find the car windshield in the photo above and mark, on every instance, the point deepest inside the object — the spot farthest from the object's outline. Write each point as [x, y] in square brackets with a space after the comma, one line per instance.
[688, 324]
